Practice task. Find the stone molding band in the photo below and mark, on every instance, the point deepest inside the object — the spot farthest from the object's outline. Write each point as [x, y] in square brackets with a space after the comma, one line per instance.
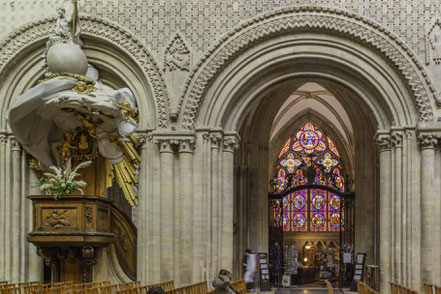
[312, 18]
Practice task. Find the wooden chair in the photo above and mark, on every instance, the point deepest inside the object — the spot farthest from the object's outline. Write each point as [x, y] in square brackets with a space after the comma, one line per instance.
[239, 286]
[198, 288]
[365, 289]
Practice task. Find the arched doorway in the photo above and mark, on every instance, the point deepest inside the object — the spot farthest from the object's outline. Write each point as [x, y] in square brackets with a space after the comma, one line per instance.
[236, 91]
[311, 216]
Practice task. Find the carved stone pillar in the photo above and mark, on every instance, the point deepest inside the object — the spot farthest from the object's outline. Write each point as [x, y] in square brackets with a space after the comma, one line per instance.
[216, 245]
[16, 229]
[168, 261]
[3, 196]
[396, 209]
[230, 143]
[187, 211]
[384, 147]
[429, 241]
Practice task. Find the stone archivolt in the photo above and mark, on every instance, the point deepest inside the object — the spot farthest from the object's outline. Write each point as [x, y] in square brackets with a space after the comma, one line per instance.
[97, 27]
[292, 19]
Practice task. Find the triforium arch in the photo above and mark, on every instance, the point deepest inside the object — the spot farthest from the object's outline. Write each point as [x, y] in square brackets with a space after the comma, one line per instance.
[122, 61]
[237, 88]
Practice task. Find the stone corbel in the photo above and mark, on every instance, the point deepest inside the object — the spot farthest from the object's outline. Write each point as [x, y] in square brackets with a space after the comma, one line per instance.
[186, 145]
[215, 139]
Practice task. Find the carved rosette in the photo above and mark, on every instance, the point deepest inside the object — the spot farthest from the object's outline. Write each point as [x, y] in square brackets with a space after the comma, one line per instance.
[383, 143]
[397, 140]
[427, 141]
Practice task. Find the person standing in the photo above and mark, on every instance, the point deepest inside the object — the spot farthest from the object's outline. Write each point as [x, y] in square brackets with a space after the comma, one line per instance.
[250, 268]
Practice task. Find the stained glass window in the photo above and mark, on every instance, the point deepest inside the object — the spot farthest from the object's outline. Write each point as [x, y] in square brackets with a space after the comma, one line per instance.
[309, 157]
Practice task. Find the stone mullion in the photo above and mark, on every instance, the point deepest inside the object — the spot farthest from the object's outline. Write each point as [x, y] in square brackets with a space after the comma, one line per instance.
[168, 261]
[229, 144]
[207, 208]
[429, 240]
[215, 203]
[384, 145]
[187, 209]
[397, 143]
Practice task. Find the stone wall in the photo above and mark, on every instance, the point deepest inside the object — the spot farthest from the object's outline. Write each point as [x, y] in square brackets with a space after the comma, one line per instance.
[200, 23]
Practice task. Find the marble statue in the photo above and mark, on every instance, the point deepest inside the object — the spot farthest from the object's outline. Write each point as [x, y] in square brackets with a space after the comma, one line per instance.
[44, 118]
[436, 47]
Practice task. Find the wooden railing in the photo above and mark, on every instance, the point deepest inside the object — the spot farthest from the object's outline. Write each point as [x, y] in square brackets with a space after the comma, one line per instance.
[239, 287]
[365, 289]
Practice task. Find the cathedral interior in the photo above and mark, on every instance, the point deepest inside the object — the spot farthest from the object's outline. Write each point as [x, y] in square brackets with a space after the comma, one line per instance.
[152, 143]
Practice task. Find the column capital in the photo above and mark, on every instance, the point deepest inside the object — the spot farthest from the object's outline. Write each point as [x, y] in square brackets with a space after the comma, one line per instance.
[427, 140]
[397, 139]
[15, 145]
[215, 139]
[230, 143]
[186, 145]
[383, 142]
[3, 139]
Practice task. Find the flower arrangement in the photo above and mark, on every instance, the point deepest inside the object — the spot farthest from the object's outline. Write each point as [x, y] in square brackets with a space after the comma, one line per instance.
[62, 180]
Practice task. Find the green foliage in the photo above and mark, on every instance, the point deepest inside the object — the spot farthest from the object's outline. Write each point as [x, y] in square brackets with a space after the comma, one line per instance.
[62, 180]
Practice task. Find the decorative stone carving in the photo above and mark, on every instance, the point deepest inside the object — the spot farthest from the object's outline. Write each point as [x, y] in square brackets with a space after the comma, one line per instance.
[215, 140]
[230, 144]
[177, 55]
[433, 43]
[167, 145]
[397, 139]
[383, 143]
[25, 36]
[427, 141]
[186, 145]
[312, 18]
[15, 144]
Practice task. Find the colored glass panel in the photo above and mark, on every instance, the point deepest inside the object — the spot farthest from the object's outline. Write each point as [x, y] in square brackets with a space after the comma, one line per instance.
[332, 147]
[318, 210]
[286, 213]
[299, 210]
[328, 162]
[334, 212]
[280, 182]
[285, 147]
[290, 163]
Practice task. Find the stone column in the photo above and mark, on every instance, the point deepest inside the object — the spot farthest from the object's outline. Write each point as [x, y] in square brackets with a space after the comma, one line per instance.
[3, 196]
[215, 204]
[16, 229]
[396, 208]
[229, 144]
[384, 145]
[167, 254]
[187, 211]
[429, 241]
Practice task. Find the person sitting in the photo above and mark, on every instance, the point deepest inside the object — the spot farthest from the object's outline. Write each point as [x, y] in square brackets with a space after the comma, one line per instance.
[222, 283]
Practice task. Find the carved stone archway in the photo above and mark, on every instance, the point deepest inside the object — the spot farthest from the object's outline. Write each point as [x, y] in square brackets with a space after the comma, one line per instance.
[310, 18]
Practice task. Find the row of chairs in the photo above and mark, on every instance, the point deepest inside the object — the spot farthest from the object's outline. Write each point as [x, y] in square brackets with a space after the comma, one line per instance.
[198, 288]
[432, 289]
[365, 289]
[144, 289]
[400, 289]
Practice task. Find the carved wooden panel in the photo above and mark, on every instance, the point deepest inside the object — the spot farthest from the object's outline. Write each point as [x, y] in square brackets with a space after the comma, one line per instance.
[125, 241]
